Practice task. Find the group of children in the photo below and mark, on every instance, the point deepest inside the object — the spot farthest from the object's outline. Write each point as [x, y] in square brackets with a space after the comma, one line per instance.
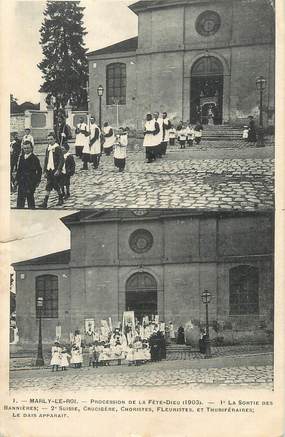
[134, 344]
[186, 134]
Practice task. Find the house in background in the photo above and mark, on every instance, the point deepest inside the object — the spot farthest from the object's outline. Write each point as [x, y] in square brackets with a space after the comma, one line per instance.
[188, 54]
[154, 262]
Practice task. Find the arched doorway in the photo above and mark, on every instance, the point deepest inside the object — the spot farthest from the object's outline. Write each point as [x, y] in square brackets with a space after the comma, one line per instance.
[141, 295]
[207, 83]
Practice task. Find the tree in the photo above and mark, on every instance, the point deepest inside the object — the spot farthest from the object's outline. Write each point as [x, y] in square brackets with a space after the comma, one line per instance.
[64, 65]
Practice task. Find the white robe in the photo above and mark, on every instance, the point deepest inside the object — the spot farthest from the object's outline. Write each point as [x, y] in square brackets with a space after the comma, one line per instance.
[109, 141]
[159, 136]
[81, 139]
[150, 140]
[55, 356]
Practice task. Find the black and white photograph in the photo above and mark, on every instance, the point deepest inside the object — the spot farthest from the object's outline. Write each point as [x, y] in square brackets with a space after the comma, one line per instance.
[142, 298]
[156, 104]
[143, 245]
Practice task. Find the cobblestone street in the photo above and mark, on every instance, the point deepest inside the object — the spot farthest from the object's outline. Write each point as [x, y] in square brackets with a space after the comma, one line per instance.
[229, 179]
[251, 371]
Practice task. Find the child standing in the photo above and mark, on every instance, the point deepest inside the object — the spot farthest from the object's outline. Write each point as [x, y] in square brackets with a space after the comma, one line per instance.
[53, 164]
[64, 355]
[67, 171]
[182, 136]
[172, 136]
[190, 135]
[55, 356]
[120, 149]
[28, 137]
[245, 133]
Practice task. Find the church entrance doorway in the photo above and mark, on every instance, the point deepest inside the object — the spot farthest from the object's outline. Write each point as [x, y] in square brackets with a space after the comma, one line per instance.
[207, 82]
[141, 295]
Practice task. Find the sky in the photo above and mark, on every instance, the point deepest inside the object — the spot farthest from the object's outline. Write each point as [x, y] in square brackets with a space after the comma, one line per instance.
[36, 233]
[106, 21]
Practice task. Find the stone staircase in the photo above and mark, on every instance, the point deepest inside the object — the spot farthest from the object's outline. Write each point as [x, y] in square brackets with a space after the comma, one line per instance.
[181, 352]
[222, 132]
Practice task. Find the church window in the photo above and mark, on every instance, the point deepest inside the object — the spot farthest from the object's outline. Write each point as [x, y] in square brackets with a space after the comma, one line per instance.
[208, 23]
[47, 288]
[244, 296]
[116, 82]
[141, 241]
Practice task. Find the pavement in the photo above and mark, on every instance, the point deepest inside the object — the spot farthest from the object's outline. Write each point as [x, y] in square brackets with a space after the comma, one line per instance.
[214, 175]
[253, 371]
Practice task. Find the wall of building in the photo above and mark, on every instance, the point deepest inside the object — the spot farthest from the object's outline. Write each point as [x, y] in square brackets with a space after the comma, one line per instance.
[97, 76]
[168, 46]
[26, 304]
[189, 254]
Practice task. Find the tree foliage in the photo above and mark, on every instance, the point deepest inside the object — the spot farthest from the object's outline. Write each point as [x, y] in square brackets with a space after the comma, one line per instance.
[64, 66]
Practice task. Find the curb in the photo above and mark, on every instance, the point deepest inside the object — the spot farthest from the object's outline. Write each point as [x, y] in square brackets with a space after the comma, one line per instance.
[183, 360]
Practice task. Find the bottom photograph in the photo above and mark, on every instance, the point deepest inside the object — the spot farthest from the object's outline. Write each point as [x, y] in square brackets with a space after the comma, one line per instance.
[141, 298]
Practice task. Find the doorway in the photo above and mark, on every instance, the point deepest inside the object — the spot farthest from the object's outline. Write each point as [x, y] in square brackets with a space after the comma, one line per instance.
[207, 83]
[141, 295]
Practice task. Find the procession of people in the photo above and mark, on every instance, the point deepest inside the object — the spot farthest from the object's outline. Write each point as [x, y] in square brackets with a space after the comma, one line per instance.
[130, 342]
[91, 142]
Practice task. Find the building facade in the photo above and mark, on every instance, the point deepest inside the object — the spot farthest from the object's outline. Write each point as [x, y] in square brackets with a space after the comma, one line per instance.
[156, 263]
[189, 54]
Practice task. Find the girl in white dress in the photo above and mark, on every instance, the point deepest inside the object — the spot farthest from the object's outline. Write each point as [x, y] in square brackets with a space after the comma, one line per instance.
[64, 356]
[55, 356]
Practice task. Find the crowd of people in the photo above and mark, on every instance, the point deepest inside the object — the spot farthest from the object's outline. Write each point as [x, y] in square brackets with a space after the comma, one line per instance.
[90, 143]
[134, 344]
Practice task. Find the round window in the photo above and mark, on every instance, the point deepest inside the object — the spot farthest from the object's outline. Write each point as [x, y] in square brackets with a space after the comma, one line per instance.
[208, 23]
[141, 241]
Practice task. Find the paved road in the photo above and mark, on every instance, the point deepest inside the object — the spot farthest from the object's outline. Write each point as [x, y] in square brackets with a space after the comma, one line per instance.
[231, 180]
[255, 371]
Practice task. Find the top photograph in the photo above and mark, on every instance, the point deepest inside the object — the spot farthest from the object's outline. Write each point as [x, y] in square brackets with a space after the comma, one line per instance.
[146, 104]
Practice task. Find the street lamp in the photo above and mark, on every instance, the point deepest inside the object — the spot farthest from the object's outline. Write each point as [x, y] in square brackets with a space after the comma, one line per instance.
[100, 92]
[260, 86]
[40, 358]
[206, 299]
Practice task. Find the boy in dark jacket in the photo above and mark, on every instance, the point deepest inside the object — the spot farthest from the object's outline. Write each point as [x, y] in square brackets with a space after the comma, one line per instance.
[67, 171]
[28, 176]
[53, 164]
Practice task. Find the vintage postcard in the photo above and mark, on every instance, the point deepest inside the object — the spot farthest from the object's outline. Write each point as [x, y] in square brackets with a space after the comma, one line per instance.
[142, 218]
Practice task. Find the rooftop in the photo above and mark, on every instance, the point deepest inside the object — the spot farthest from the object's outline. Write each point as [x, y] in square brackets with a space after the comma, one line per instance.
[127, 45]
[62, 257]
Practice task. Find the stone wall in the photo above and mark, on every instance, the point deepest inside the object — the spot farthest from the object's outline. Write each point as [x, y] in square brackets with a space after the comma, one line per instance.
[17, 123]
[188, 255]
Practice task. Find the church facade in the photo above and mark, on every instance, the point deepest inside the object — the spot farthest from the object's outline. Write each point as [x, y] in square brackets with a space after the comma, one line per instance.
[154, 262]
[189, 56]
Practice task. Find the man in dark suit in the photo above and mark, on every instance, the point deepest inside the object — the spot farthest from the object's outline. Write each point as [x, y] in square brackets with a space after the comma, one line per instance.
[28, 176]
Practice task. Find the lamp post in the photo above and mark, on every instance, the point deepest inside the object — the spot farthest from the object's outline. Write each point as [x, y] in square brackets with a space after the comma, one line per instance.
[206, 299]
[100, 92]
[260, 85]
[40, 358]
